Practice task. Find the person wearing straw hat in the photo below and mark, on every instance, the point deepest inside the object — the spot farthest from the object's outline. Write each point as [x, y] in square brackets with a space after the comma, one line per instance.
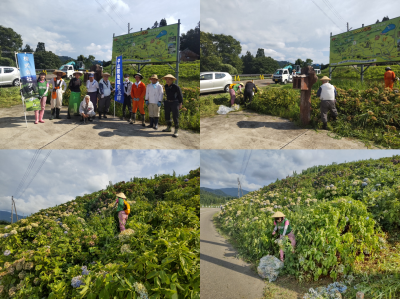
[86, 109]
[127, 97]
[105, 90]
[154, 97]
[92, 87]
[233, 88]
[390, 77]
[327, 93]
[122, 216]
[282, 225]
[173, 103]
[58, 88]
[138, 92]
[75, 97]
[43, 87]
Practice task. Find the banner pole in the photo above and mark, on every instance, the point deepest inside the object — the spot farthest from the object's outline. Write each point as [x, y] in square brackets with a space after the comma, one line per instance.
[178, 46]
[22, 97]
[115, 103]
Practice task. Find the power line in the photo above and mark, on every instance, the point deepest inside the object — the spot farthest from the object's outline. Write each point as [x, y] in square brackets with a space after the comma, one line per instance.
[325, 14]
[112, 6]
[109, 15]
[27, 172]
[37, 171]
[248, 159]
[334, 10]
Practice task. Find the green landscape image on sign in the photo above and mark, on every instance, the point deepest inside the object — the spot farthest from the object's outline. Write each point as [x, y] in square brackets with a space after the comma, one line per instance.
[147, 46]
[375, 43]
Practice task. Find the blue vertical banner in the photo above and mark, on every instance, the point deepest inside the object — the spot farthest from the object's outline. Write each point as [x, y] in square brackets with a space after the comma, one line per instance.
[29, 87]
[119, 86]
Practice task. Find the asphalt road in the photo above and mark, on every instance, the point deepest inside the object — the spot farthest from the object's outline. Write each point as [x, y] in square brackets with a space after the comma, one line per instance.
[250, 130]
[222, 275]
[110, 133]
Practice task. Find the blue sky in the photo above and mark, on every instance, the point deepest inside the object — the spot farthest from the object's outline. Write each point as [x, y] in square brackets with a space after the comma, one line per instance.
[71, 28]
[221, 168]
[291, 29]
[70, 173]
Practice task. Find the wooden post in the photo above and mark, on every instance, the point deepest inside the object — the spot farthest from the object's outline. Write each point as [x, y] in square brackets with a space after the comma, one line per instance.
[304, 82]
[362, 73]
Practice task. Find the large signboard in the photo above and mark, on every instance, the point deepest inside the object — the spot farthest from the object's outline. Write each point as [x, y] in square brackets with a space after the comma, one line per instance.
[148, 46]
[375, 43]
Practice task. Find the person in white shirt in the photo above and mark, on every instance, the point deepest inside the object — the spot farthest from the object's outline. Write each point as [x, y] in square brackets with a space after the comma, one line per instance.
[327, 93]
[58, 89]
[127, 97]
[86, 109]
[154, 97]
[92, 86]
[105, 90]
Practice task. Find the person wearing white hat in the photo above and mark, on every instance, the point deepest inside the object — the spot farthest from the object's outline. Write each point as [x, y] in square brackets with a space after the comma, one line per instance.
[92, 87]
[138, 92]
[58, 89]
[282, 224]
[86, 109]
[75, 96]
[173, 103]
[105, 89]
[127, 97]
[154, 97]
[327, 93]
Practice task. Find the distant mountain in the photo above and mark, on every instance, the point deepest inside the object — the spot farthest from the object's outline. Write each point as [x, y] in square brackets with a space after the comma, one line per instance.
[284, 63]
[233, 191]
[214, 191]
[64, 59]
[4, 215]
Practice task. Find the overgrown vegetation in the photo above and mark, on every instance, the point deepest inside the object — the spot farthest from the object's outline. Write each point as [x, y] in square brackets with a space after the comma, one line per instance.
[75, 250]
[344, 217]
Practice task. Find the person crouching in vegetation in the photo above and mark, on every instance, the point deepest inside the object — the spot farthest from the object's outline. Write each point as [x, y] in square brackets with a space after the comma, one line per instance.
[86, 109]
[327, 93]
[122, 215]
[43, 86]
[233, 88]
[249, 92]
[282, 224]
[154, 97]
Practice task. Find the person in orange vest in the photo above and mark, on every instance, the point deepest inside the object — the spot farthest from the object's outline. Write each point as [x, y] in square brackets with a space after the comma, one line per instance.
[390, 77]
[138, 93]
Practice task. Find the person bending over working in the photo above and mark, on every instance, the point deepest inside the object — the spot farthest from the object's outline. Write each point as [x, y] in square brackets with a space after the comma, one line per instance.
[282, 225]
[327, 93]
[248, 92]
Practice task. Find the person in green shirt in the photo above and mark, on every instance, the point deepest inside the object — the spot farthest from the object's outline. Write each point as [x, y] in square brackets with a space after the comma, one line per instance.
[43, 87]
[233, 88]
[122, 216]
[282, 224]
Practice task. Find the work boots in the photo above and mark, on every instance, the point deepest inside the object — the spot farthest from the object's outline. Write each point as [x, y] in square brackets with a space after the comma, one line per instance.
[143, 120]
[155, 123]
[104, 115]
[324, 126]
[176, 131]
[52, 114]
[133, 118]
[168, 129]
[58, 113]
[151, 122]
[41, 112]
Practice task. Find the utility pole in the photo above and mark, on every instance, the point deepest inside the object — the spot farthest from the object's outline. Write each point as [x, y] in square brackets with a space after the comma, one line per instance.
[348, 29]
[13, 207]
[129, 28]
[239, 188]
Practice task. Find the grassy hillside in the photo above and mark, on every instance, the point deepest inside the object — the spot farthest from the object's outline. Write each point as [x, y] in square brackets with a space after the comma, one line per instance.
[214, 191]
[345, 219]
[372, 73]
[75, 250]
[212, 199]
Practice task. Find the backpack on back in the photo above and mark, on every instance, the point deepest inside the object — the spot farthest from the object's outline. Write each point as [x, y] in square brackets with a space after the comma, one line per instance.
[127, 207]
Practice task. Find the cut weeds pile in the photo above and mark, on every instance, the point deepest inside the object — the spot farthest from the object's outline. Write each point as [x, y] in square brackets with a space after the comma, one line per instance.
[344, 217]
[75, 250]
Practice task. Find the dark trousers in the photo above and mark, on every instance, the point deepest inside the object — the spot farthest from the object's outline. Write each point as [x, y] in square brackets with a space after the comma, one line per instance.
[93, 99]
[174, 108]
[127, 103]
[248, 95]
[104, 104]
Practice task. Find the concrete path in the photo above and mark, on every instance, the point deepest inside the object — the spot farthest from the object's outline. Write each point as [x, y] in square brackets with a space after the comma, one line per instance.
[250, 130]
[222, 275]
[110, 133]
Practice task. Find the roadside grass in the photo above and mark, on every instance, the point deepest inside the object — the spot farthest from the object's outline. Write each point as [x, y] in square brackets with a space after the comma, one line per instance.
[9, 96]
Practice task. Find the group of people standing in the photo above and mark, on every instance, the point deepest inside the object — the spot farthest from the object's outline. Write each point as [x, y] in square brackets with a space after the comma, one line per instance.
[98, 97]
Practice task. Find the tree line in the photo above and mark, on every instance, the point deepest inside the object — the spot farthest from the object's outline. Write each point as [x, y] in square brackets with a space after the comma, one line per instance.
[208, 198]
[220, 52]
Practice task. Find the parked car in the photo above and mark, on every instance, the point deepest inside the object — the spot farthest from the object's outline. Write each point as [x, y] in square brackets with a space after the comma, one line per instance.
[215, 81]
[9, 75]
[282, 76]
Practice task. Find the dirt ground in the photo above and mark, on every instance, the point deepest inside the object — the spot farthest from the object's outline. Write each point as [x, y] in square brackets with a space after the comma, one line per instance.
[110, 133]
[250, 130]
